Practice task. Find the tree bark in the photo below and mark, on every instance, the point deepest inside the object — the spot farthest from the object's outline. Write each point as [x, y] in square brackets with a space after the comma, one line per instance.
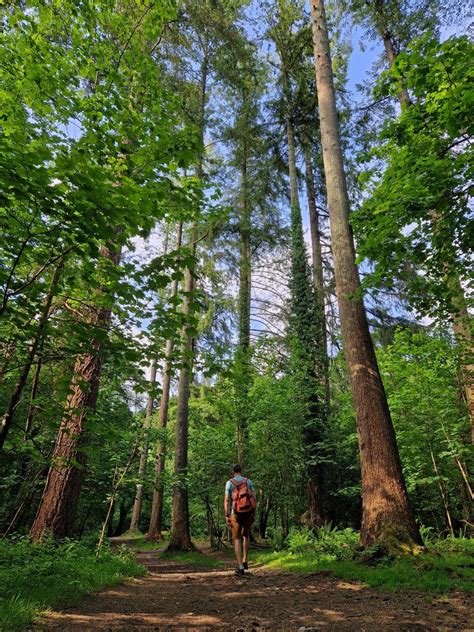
[180, 532]
[245, 284]
[58, 504]
[290, 136]
[389, 43]
[33, 348]
[391, 54]
[386, 514]
[57, 509]
[317, 258]
[245, 272]
[156, 518]
[137, 504]
[317, 414]
[463, 332]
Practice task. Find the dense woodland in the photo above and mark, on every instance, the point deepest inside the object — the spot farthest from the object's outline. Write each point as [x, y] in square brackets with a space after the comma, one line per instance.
[213, 252]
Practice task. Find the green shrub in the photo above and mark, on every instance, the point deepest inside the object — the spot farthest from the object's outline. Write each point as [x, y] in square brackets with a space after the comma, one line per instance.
[300, 540]
[325, 543]
[452, 544]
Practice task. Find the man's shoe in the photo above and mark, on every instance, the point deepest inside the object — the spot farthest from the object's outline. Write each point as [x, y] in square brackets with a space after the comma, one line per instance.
[239, 572]
[246, 565]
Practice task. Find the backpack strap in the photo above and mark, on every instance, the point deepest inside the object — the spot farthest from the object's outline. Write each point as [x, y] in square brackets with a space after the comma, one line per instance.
[236, 484]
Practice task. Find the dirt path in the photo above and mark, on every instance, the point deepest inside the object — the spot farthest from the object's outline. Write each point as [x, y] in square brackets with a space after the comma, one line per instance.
[174, 596]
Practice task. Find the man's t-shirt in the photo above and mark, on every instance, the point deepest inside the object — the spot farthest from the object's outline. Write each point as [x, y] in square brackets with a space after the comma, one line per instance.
[229, 488]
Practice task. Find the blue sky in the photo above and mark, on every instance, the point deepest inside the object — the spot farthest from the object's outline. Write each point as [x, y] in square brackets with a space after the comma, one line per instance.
[360, 61]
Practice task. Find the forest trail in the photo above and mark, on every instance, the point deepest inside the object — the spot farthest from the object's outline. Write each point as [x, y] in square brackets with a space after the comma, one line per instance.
[180, 596]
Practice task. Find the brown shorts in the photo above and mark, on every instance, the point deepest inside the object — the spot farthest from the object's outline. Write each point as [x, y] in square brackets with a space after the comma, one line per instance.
[241, 524]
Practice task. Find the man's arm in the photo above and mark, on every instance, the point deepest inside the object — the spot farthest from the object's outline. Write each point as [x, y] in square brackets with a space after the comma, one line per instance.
[227, 502]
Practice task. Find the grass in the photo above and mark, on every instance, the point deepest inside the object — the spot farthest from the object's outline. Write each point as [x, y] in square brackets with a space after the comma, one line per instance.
[139, 542]
[38, 577]
[433, 571]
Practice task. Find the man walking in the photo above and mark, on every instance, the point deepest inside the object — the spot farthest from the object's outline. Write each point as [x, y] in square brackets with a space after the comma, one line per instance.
[239, 507]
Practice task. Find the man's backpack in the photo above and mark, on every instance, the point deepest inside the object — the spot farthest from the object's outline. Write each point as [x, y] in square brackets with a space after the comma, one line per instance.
[243, 499]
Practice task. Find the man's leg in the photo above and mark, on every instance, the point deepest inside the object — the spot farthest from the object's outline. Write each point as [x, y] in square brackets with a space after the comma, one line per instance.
[237, 535]
[238, 550]
[246, 543]
[246, 546]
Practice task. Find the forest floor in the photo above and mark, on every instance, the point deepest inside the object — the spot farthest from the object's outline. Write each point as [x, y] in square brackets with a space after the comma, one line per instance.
[204, 594]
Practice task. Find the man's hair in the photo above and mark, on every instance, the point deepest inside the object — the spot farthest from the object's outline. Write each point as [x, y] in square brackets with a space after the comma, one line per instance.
[237, 468]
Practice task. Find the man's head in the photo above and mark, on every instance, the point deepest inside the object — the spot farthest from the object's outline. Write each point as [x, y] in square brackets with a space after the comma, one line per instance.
[237, 469]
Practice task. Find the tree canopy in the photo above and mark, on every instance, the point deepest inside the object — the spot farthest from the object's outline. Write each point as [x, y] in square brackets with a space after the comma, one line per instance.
[213, 251]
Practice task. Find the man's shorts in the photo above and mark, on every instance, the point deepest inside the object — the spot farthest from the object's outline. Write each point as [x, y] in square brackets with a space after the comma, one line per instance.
[241, 523]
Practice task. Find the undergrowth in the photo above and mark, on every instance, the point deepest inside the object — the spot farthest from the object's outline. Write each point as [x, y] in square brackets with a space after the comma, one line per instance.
[37, 577]
[444, 565]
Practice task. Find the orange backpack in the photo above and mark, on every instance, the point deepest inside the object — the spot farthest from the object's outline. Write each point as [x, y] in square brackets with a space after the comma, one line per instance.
[242, 497]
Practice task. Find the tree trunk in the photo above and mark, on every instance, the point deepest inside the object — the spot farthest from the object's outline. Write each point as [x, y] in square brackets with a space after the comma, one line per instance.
[318, 276]
[386, 515]
[32, 350]
[180, 532]
[58, 505]
[245, 263]
[463, 332]
[212, 529]
[264, 506]
[57, 509]
[316, 414]
[34, 391]
[389, 44]
[290, 136]
[391, 54]
[109, 527]
[156, 518]
[316, 502]
[120, 528]
[285, 522]
[245, 280]
[137, 505]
